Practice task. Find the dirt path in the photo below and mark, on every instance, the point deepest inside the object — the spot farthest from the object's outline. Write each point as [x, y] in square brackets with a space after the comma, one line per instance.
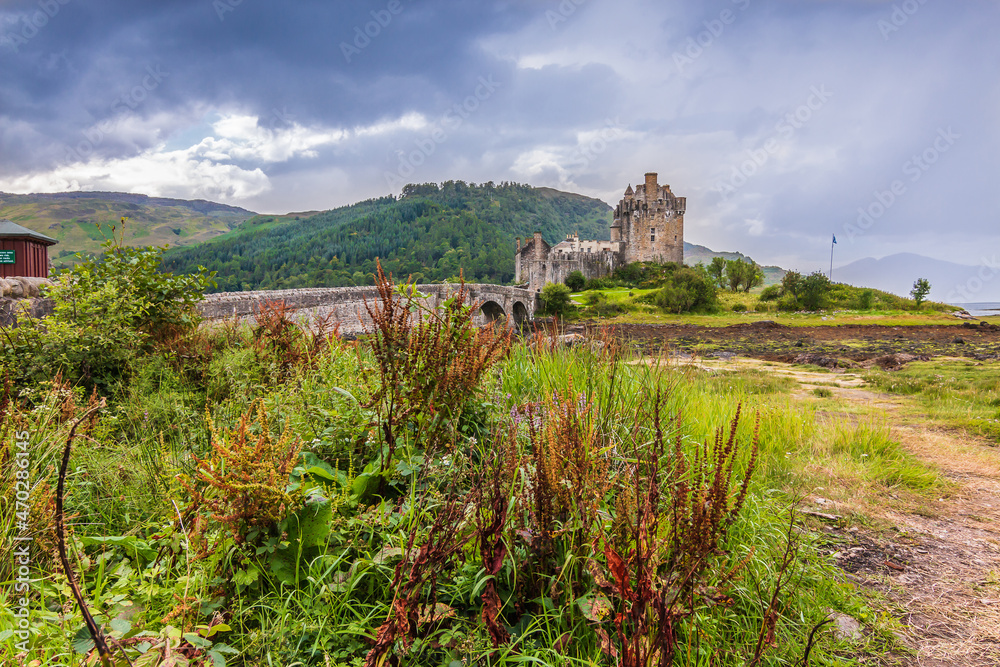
[939, 560]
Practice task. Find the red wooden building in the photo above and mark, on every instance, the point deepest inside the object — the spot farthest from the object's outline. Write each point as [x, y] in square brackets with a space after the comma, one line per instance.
[23, 253]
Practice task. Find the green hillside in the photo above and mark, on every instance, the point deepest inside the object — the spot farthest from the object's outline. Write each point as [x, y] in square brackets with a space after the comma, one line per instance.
[72, 218]
[430, 232]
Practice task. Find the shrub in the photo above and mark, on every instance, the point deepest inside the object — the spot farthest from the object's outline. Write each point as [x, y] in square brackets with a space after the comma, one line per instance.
[739, 307]
[555, 298]
[788, 303]
[865, 299]
[689, 290]
[107, 310]
[791, 282]
[813, 290]
[770, 293]
[576, 281]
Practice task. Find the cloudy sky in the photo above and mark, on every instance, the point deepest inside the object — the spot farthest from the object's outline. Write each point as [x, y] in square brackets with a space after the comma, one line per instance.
[782, 121]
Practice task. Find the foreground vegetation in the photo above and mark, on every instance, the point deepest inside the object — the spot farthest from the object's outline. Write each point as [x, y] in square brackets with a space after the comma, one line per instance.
[435, 494]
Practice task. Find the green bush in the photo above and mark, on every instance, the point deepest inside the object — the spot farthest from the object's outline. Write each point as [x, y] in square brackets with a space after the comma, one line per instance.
[600, 283]
[689, 290]
[813, 290]
[106, 311]
[771, 293]
[788, 303]
[576, 281]
[555, 299]
[739, 307]
[865, 299]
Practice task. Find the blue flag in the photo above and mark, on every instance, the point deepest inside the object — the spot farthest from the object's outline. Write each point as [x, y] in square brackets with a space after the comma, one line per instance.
[834, 238]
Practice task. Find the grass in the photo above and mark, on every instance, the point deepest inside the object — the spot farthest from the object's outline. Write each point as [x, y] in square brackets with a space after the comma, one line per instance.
[956, 392]
[756, 311]
[137, 560]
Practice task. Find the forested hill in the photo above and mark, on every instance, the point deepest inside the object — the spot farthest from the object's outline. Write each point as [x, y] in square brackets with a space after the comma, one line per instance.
[430, 232]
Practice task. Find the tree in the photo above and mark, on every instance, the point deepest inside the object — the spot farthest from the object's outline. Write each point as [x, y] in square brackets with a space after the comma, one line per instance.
[734, 273]
[576, 281]
[716, 269]
[921, 288]
[791, 283]
[555, 298]
[753, 275]
[813, 290]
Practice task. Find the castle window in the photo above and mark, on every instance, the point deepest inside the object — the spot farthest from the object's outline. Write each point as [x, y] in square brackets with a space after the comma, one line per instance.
[652, 234]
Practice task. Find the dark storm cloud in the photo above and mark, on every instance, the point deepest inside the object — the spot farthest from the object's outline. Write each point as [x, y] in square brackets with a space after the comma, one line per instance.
[779, 119]
[255, 56]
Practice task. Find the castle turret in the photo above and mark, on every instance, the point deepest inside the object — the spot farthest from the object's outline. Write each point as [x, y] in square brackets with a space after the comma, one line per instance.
[652, 189]
[649, 223]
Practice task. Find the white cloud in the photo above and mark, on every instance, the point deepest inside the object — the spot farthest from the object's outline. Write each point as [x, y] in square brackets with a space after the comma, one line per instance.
[229, 165]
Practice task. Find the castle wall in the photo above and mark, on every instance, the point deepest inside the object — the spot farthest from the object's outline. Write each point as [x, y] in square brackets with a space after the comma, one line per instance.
[592, 265]
[648, 226]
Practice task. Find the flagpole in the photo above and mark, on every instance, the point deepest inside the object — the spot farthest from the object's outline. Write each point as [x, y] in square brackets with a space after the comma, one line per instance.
[832, 243]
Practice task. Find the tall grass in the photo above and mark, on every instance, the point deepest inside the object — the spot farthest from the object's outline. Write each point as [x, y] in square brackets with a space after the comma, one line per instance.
[554, 461]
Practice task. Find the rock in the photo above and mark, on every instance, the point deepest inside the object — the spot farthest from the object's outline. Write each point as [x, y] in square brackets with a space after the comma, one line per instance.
[570, 339]
[845, 628]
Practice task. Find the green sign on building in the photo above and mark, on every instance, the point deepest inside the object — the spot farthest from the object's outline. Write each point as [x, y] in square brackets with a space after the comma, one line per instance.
[7, 257]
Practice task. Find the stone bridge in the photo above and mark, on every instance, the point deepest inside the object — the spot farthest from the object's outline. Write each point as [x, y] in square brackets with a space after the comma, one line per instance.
[347, 304]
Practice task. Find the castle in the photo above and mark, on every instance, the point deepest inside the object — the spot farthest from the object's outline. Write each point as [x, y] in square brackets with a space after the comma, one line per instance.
[648, 226]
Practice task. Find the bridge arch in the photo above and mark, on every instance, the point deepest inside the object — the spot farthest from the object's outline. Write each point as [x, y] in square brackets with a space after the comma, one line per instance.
[520, 314]
[492, 311]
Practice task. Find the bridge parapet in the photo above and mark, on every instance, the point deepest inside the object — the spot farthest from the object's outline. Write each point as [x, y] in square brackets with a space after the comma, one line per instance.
[346, 305]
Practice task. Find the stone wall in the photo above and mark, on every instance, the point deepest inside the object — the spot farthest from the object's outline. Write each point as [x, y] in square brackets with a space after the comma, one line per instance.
[11, 309]
[20, 296]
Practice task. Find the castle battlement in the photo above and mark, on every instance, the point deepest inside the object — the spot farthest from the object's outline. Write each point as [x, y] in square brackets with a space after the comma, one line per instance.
[648, 226]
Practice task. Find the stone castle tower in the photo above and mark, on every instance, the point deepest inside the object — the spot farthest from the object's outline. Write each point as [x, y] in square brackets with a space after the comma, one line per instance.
[649, 223]
[648, 226]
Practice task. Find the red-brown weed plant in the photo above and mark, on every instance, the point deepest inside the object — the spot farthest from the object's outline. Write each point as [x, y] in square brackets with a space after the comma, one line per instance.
[659, 574]
[415, 579]
[570, 471]
[493, 496]
[429, 361]
[277, 334]
[242, 482]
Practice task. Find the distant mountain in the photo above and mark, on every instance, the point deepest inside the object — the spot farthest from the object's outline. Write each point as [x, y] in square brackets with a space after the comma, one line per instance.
[950, 282]
[72, 219]
[430, 232]
[699, 253]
